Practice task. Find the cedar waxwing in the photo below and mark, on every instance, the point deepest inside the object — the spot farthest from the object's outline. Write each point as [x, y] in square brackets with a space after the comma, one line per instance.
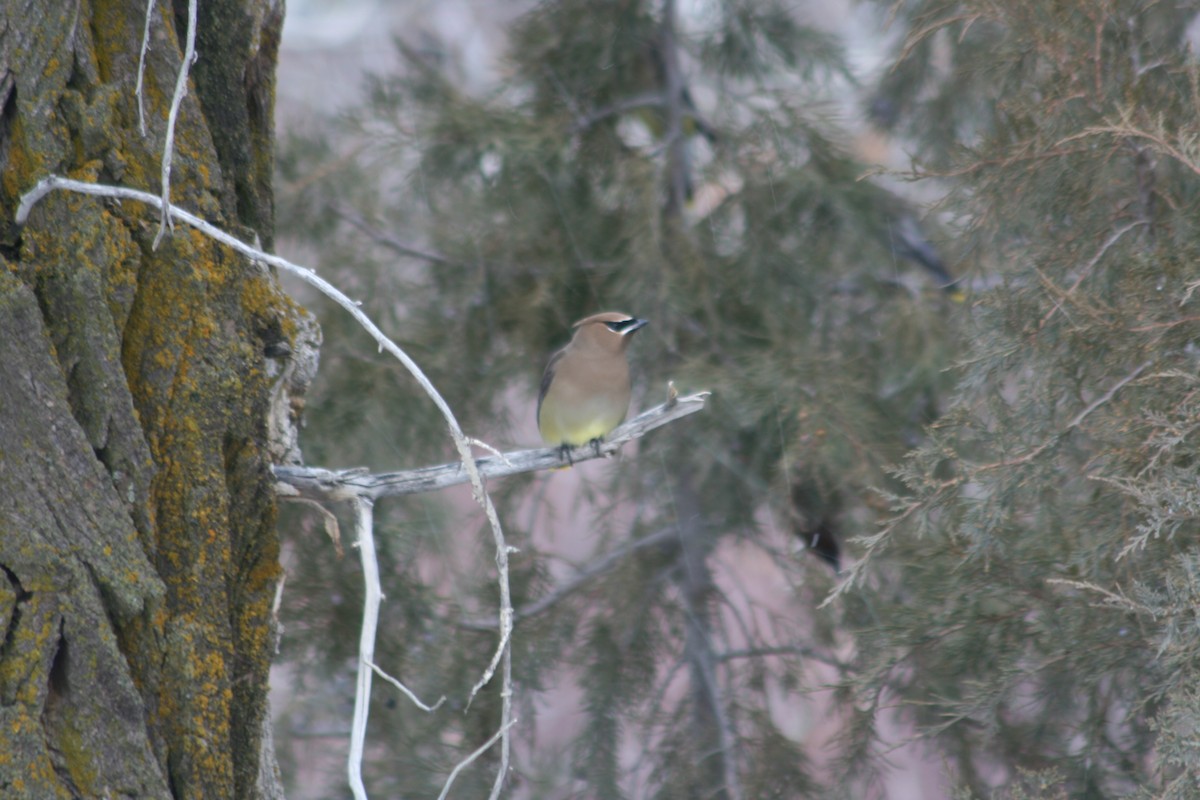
[585, 390]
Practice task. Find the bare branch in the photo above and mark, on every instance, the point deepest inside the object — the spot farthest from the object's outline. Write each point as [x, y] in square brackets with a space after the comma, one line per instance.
[655, 100]
[1088, 267]
[643, 100]
[1112, 599]
[384, 239]
[141, 73]
[52, 182]
[506, 627]
[1159, 140]
[409, 693]
[322, 484]
[327, 518]
[592, 570]
[189, 56]
[364, 527]
[506, 712]
[466, 762]
[1107, 396]
[1075, 422]
[782, 650]
[697, 587]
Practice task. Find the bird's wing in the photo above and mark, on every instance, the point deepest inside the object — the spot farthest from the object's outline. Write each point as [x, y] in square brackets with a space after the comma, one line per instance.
[547, 377]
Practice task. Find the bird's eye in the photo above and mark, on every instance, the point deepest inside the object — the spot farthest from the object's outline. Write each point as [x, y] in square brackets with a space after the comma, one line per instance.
[618, 327]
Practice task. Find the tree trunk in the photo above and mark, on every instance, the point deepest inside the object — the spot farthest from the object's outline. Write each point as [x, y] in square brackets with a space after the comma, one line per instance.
[138, 552]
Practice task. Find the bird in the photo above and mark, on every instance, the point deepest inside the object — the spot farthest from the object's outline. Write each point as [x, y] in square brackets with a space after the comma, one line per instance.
[585, 389]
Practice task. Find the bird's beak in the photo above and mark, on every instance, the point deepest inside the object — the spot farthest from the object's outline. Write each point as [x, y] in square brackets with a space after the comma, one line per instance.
[634, 325]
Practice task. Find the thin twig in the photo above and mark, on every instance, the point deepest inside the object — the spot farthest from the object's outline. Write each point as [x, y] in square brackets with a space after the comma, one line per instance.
[409, 693]
[643, 100]
[654, 709]
[189, 56]
[141, 75]
[1075, 422]
[506, 698]
[1115, 599]
[356, 220]
[276, 604]
[656, 100]
[363, 526]
[783, 650]
[1089, 266]
[1128, 131]
[482, 445]
[328, 518]
[506, 627]
[466, 762]
[1104, 398]
[596, 568]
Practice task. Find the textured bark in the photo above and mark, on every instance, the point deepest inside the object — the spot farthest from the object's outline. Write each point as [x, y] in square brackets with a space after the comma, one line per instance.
[138, 553]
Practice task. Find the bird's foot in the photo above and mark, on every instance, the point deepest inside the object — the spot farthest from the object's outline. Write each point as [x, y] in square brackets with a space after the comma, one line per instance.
[564, 454]
[595, 443]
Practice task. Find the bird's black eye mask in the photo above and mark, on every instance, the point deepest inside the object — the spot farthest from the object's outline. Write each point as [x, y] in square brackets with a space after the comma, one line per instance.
[625, 326]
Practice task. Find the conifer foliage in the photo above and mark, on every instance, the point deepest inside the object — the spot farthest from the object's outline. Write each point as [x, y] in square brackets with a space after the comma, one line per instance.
[1043, 551]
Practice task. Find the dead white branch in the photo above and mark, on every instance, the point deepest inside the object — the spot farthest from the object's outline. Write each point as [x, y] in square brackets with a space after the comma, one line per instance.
[315, 483]
[409, 693]
[365, 542]
[189, 56]
[466, 762]
[141, 75]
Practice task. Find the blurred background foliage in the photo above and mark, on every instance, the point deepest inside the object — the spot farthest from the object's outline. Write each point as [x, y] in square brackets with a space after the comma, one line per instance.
[995, 457]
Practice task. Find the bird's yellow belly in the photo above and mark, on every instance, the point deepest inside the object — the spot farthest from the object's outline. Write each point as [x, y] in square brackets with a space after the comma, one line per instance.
[577, 426]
